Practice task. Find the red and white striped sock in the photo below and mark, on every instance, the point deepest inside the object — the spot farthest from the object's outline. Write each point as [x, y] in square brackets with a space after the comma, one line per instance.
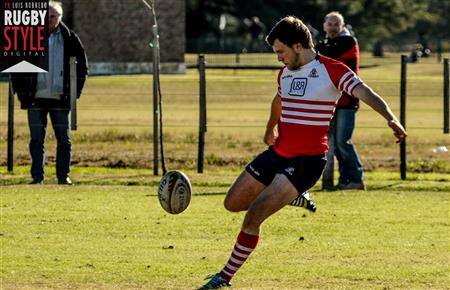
[245, 244]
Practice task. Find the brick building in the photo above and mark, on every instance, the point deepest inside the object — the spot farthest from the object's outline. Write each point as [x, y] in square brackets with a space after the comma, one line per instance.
[117, 33]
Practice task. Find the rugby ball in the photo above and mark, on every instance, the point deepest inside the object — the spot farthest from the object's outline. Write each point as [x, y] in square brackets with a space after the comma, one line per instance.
[174, 192]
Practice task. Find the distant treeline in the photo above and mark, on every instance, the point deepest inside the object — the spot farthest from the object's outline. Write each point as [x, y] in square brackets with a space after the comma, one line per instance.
[223, 25]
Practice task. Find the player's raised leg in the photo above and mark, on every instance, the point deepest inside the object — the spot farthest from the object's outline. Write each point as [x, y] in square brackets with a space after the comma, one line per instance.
[242, 192]
[274, 197]
[305, 200]
[277, 195]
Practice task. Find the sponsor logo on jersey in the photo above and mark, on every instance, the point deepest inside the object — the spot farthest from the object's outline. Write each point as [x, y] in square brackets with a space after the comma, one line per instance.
[286, 77]
[298, 87]
[313, 73]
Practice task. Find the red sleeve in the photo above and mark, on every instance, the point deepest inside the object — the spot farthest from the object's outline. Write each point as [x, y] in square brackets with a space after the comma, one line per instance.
[279, 78]
[343, 78]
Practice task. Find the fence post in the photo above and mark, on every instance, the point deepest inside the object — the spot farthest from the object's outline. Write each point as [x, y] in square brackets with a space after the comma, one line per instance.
[10, 158]
[439, 50]
[237, 61]
[404, 59]
[73, 93]
[155, 47]
[202, 111]
[446, 97]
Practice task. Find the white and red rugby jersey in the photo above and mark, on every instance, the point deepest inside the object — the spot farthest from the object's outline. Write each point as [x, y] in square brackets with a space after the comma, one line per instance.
[308, 99]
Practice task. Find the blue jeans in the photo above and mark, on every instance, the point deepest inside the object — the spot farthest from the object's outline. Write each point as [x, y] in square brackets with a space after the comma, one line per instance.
[340, 144]
[37, 122]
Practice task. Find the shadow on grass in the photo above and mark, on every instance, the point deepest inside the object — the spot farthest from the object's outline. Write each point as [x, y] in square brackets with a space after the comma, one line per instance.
[390, 186]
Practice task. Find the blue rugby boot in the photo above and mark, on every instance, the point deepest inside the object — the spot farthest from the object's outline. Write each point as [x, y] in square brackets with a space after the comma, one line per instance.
[216, 281]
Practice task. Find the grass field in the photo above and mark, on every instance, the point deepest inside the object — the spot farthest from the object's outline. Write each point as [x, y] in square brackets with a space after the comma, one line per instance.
[115, 118]
[101, 234]
[109, 232]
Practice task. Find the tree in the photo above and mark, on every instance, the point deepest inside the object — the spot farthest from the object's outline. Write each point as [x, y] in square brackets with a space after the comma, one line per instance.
[372, 20]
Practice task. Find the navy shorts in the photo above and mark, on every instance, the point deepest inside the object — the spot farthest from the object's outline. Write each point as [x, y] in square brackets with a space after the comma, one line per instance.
[302, 171]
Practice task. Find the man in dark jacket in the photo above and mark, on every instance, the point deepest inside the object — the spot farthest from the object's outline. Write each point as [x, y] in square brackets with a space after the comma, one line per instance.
[43, 94]
[341, 45]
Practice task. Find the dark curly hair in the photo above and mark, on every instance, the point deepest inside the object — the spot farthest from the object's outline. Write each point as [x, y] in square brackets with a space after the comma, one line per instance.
[290, 30]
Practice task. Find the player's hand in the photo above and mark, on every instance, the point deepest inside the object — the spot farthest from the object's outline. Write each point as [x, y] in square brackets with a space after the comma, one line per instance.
[399, 132]
[270, 137]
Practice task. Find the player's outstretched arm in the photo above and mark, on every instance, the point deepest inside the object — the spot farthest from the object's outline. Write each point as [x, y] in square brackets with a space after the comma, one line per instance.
[368, 96]
[275, 112]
